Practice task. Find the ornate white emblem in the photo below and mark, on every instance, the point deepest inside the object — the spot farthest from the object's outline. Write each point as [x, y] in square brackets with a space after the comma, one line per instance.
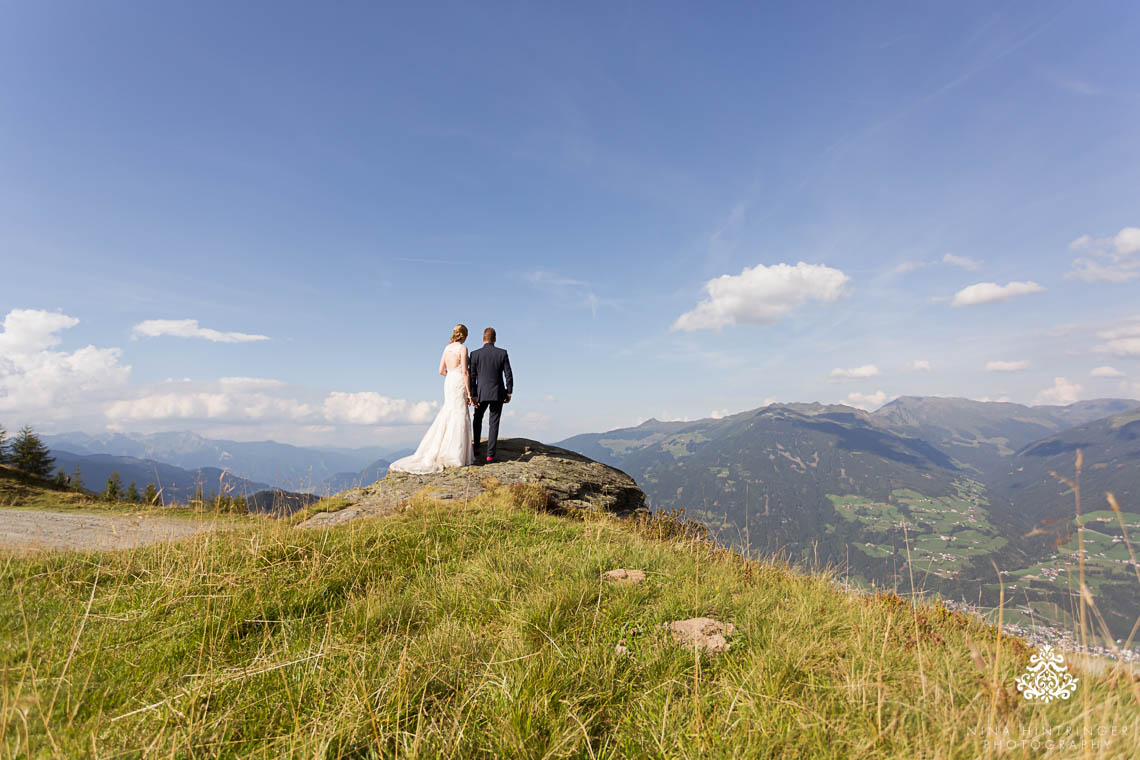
[1047, 678]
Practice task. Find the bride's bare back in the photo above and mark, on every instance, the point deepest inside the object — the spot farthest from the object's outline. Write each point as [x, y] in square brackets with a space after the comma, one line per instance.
[454, 357]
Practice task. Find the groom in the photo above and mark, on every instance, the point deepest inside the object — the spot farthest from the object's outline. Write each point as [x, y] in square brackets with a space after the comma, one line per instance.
[491, 387]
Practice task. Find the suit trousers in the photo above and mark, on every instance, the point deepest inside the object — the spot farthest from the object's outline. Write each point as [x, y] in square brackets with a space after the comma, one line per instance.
[496, 409]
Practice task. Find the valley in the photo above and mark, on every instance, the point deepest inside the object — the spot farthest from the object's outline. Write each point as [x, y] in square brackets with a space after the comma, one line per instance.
[927, 494]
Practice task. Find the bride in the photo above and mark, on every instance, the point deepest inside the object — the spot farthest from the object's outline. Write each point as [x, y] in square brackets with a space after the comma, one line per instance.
[447, 443]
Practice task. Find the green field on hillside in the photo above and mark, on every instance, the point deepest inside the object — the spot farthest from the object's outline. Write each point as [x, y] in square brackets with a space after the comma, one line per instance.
[942, 533]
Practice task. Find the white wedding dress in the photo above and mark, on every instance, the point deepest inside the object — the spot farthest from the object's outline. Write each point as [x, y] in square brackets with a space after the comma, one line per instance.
[447, 443]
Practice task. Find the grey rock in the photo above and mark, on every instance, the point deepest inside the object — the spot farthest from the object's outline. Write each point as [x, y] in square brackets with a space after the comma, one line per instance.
[622, 575]
[702, 633]
[572, 481]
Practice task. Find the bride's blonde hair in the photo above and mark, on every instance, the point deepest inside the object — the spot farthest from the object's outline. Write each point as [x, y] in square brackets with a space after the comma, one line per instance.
[459, 334]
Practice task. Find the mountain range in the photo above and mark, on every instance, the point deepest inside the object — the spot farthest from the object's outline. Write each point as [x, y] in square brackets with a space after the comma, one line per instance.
[280, 465]
[925, 492]
[175, 484]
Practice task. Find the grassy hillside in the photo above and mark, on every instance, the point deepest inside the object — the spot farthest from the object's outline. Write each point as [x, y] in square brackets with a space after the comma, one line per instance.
[483, 630]
[18, 489]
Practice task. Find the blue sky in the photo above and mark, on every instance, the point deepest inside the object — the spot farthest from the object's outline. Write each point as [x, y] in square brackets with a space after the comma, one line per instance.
[261, 220]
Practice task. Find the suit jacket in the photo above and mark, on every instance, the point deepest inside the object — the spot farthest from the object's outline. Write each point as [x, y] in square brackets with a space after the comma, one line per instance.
[489, 368]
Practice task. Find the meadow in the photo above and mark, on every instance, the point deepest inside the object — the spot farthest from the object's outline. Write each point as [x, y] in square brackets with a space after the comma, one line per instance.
[484, 629]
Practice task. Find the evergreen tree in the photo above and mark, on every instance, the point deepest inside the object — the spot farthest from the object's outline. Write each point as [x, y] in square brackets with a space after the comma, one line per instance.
[3, 445]
[77, 480]
[60, 478]
[114, 489]
[133, 493]
[150, 494]
[197, 502]
[240, 506]
[30, 455]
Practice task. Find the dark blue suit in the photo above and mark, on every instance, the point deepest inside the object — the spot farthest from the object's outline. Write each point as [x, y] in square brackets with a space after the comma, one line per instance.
[489, 368]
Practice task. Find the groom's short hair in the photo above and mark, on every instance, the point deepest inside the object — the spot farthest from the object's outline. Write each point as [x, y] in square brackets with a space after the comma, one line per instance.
[489, 335]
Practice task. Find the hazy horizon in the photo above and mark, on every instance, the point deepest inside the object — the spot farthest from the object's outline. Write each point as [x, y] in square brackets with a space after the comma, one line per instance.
[411, 442]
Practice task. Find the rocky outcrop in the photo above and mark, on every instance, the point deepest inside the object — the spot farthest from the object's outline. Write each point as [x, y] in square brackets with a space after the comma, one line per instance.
[621, 575]
[702, 633]
[572, 481]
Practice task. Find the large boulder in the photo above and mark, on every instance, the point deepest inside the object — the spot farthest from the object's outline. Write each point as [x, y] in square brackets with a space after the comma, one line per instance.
[572, 481]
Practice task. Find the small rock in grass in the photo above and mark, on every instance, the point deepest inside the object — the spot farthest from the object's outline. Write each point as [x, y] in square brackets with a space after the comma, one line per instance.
[621, 650]
[703, 633]
[622, 575]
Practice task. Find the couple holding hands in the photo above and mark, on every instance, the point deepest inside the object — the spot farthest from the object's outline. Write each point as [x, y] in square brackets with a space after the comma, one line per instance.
[481, 379]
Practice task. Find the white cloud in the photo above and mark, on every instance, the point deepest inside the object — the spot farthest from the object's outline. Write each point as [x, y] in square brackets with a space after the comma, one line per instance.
[762, 295]
[1090, 270]
[1106, 371]
[549, 278]
[1109, 259]
[189, 328]
[907, 266]
[370, 408]
[666, 416]
[1076, 84]
[527, 422]
[1127, 241]
[1120, 347]
[961, 261]
[37, 380]
[205, 405]
[990, 292]
[574, 292]
[950, 259]
[854, 373]
[1083, 243]
[1000, 366]
[720, 414]
[87, 389]
[868, 401]
[1122, 340]
[1130, 390]
[1061, 393]
[250, 382]
[920, 365]
[28, 331]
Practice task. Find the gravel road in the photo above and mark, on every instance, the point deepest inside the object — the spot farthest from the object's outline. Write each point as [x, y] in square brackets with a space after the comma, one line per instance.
[26, 530]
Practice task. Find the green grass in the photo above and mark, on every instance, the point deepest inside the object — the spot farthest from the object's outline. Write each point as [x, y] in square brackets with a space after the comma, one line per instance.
[1107, 559]
[333, 503]
[19, 490]
[945, 532]
[483, 630]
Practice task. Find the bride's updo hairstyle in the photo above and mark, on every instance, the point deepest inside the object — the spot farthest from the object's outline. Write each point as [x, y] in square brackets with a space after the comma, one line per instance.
[459, 334]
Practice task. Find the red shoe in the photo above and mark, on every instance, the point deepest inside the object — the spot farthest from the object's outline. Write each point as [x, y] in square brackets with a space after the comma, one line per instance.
[490, 459]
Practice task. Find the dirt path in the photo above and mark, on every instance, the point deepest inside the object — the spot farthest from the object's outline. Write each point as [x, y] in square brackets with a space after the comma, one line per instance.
[28, 530]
